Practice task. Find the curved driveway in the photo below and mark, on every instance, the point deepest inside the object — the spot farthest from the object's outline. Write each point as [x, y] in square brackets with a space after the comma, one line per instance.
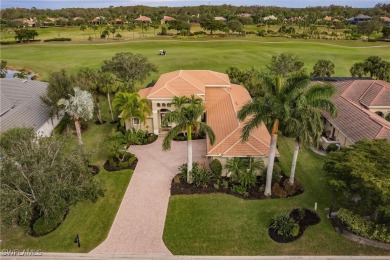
[139, 224]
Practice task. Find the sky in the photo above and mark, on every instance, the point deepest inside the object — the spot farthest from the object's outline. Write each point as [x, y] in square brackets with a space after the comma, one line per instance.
[58, 4]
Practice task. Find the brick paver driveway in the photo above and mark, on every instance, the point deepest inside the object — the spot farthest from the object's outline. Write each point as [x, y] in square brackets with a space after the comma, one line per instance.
[139, 224]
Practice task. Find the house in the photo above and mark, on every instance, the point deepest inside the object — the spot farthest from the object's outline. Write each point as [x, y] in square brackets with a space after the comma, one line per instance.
[167, 19]
[270, 17]
[21, 106]
[31, 22]
[143, 19]
[219, 18]
[386, 20]
[361, 106]
[359, 18]
[328, 18]
[222, 101]
[244, 15]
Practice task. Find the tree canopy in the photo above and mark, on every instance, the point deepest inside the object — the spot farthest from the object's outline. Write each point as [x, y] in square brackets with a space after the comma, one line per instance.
[362, 172]
[374, 67]
[129, 68]
[39, 178]
[285, 64]
[60, 86]
[323, 68]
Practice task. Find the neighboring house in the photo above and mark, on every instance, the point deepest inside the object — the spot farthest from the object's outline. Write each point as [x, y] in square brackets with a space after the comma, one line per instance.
[167, 19]
[21, 106]
[219, 18]
[31, 22]
[270, 17]
[386, 20]
[361, 106]
[222, 101]
[359, 18]
[143, 19]
[244, 15]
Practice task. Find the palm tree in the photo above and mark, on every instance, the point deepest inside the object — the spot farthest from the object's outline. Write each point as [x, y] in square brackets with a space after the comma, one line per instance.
[131, 105]
[235, 166]
[185, 116]
[305, 122]
[272, 110]
[106, 82]
[79, 106]
[20, 75]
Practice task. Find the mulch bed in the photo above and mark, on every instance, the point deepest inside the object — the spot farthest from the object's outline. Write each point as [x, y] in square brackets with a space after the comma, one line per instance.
[310, 218]
[111, 168]
[184, 188]
[94, 169]
[181, 137]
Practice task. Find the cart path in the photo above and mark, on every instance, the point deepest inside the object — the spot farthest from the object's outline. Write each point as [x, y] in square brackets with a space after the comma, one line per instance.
[139, 224]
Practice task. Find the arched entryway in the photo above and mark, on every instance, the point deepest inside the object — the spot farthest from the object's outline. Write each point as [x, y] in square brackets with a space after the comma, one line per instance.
[163, 127]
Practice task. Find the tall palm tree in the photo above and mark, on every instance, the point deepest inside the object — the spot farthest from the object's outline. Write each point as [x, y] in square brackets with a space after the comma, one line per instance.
[272, 110]
[305, 122]
[323, 68]
[79, 106]
[186, 118]
[106, 82]
[131, 105]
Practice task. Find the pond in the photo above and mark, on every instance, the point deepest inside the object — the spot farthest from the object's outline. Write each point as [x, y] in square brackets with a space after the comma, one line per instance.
[10, 74]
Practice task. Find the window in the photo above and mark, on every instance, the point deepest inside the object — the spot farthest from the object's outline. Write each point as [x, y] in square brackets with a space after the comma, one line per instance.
[169, 105]
[163, 104]
[158, 104]
[135, 121]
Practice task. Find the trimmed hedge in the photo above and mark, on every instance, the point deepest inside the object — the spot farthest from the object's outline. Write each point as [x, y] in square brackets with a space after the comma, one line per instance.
[58, 40]
[368, 229]
[216, 168]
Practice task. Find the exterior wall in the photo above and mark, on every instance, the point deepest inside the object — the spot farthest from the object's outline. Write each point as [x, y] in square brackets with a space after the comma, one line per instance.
[147, 126]
[47, 128]
[333, 131]
[384, 110]
[223, 161]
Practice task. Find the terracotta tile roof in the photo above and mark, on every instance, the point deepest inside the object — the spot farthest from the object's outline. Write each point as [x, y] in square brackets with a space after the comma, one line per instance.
[222, 105]
[186, 83]
[142, 18]
[354, 120]
[222, 101]
[168, 18]
[144, 92]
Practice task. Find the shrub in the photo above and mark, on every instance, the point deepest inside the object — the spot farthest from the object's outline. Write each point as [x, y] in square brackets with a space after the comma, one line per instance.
[388, 117]
[216, 168]
[278, 191]
[292, 189]
[240, 190]
[58, 40]
[332, 148]
[247, 179]
[358, 225]
[285, 226]
[183, 171]
[200, 175]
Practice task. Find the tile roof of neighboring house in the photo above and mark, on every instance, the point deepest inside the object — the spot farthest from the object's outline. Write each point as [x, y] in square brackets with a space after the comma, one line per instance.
[21, 105]
[219, 18]
[362, 16]
[168, 18]
[354, 120]
[142, 18]
[328, 18]
[222, 102]
[385, 19]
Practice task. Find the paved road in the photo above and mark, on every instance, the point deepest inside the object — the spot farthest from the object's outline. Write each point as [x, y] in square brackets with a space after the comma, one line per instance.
[139, 224]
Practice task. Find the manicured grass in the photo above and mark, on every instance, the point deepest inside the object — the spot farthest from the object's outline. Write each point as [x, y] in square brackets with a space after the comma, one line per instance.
[92, 221]
[202, 53]
[220, 224]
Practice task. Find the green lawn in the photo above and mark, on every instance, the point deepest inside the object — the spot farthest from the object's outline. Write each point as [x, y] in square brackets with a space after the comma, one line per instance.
[92, 221]
[220, 224]
[203, 53]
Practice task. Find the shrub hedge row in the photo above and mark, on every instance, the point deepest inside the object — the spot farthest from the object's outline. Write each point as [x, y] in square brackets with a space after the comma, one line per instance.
[358, 225]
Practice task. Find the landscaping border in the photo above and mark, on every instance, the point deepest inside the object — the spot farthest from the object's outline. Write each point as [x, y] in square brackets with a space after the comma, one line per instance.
[339, 227]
